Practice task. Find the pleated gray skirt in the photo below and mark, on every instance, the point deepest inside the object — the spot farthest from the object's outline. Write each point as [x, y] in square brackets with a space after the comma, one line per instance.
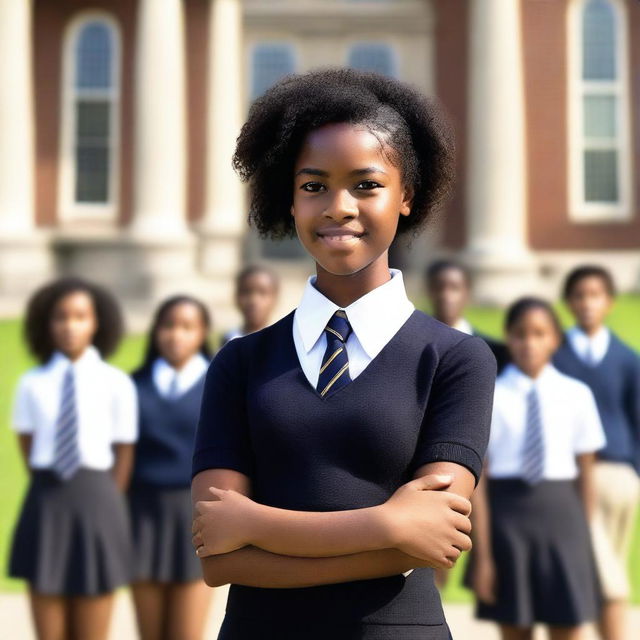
[161, 522]
[542, 550]
[72, 538]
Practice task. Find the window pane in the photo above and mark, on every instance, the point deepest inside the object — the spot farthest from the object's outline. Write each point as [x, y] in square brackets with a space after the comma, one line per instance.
[372, 57]
[601, 176]
[598, 41]
[600, 116]
[92, 152]
[270, 63]
[92, 120]
[93, 57]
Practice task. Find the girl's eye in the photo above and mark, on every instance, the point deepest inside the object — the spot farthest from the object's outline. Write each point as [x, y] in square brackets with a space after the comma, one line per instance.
[367, 185]
[312, 187]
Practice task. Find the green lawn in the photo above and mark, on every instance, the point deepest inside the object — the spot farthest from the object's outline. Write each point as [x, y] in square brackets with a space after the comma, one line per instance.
[15, 360]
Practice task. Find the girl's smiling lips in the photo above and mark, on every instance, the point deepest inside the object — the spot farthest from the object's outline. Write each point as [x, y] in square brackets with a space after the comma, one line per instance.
[339, 237]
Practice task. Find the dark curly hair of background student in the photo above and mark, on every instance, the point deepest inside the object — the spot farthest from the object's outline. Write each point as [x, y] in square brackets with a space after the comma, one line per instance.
[40, 309]
[405, 122]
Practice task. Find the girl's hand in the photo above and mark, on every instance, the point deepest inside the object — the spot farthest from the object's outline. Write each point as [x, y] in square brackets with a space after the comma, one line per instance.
[222, 524]
[483, 580]
[429, 523]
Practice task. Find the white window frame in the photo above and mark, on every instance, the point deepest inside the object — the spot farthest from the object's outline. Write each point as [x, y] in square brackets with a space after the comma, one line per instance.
[68, 207]
[579, 209]
[266, 42]
[395, 62]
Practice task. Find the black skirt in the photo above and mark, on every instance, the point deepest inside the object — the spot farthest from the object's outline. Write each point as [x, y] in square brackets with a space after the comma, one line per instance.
[161, 521]
[72, 538]
[236, 628]
[545, 569]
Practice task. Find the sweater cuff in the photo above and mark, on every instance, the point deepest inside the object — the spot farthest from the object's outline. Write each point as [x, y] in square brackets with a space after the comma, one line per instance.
[451, 452]
[216, 458]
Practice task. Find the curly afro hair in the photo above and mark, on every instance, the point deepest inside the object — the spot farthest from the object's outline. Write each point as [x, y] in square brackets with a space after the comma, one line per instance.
[404, 121]
[40, 309]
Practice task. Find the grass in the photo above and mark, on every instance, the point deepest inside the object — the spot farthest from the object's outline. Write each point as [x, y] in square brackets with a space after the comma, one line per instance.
[623, 320]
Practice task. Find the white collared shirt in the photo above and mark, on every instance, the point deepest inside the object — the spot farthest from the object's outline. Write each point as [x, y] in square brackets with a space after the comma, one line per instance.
[163, 375]
[375, 318]
[464, 325]
[106, 405]
[570, 423]
[590, 349]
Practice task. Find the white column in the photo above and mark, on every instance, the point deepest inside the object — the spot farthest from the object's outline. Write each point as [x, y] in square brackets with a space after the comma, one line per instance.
[25, 259]
[224, 218]
[160, 126]
[16, 119]
[496, 188]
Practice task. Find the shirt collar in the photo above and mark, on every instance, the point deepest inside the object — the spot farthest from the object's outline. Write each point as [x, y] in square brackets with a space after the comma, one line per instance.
[464, 325]
[375, 317]
[522, 382]
[191, 371]
[599, 341]
[90, 356]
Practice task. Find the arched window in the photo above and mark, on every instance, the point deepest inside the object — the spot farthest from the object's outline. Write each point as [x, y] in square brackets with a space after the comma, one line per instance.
[90, 117]
[373, 56]
[270, 61]
[599, 118]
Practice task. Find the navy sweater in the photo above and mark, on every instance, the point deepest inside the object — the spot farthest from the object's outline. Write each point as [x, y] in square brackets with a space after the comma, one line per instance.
[167, 432]
[426, 397]
[615, 383]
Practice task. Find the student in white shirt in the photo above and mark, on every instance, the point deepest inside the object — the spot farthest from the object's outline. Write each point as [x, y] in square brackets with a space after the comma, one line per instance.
[76, 417]
[532, 558]
[170, 597]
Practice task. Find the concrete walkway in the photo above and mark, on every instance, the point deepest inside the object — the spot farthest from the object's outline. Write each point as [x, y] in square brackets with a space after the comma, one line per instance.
[15, 623]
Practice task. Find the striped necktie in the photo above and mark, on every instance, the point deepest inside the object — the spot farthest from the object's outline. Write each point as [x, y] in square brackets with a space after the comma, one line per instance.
[66, 457]
[334, 372]
[533, 448]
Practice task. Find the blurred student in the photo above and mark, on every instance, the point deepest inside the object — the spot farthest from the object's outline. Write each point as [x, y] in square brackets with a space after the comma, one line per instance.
[448, 287]
[593, 354]
[76, 417]
[532, 557]
[170, 597]
[256, 296]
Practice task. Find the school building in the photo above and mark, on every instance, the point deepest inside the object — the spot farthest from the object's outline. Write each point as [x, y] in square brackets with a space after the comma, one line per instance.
[118, 120]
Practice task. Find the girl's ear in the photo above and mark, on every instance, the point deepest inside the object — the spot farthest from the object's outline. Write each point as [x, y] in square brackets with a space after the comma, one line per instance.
[407, 201]
[291, 210]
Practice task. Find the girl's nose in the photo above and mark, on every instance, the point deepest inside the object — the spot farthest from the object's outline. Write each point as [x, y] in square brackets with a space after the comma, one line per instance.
[342, 205]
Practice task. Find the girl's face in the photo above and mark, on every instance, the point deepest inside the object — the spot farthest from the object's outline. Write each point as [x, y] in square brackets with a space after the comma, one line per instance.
[73, 324]
[180, 334]
[347, 198]
[532, 340]
[256, 298]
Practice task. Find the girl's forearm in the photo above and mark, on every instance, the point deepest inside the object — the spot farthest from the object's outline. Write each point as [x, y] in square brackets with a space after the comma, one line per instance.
[122, 465]
[25, 442]
[254, 567]
[480, 519]
[585, 482]
[320, 534]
